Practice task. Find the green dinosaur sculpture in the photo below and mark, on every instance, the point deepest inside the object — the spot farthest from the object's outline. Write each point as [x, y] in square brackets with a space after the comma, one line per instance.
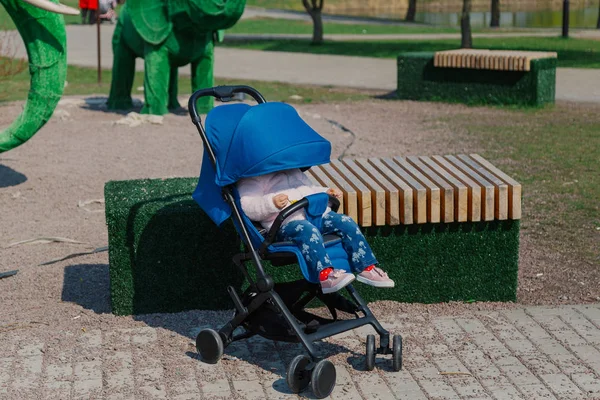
[167, 34]
[43, 32]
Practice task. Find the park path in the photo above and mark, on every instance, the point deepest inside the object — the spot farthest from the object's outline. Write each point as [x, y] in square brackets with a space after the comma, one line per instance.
[507, 353]
[572, 84]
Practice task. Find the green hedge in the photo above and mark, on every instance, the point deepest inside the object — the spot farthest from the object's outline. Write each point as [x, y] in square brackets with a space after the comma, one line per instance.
[418, 79]
[167, 256]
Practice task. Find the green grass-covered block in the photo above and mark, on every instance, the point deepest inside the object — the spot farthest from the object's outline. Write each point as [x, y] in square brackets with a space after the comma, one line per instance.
[167, 256]
[418, 79]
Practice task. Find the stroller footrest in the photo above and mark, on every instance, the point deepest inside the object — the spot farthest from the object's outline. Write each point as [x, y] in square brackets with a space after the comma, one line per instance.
[237, 301]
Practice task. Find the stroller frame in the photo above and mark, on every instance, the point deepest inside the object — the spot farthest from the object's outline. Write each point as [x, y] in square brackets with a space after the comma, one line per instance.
[317, 371]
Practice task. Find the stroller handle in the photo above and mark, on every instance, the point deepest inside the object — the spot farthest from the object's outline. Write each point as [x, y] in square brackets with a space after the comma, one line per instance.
[223, 94]
[286, 212]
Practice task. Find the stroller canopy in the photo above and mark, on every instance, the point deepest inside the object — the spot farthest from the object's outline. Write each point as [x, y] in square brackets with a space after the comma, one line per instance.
[250, 141]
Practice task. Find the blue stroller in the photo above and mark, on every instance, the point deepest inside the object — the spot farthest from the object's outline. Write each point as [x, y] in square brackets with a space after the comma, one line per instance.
[242, 141]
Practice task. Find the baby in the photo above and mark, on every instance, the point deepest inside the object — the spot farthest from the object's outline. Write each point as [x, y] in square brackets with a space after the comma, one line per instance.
[263, 197]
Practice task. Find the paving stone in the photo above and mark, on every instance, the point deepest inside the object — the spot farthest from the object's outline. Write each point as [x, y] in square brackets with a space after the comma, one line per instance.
[31, 349]
[581, 325]
[87, 388]
[591, 312]
[562, 386]
[88, 370]
[423, 369]
[505, 392]
[141, 336]
[438, 389]
[6, 365]
[536, 392]
[522, 321]
[468, 387]
[403, 385]
[153, 392]
[590, 383]
[91, 338]
[59, 372]
[372, 384]
[518, 374]
[345, 387]
[569, 364]
[450, 364]
[589, 355]
[539, 364]
[249, 390]
[57, 390]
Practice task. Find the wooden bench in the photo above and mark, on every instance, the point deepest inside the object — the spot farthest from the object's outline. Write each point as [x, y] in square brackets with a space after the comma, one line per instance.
[500, 60]
[417, 190]
[478, 76]
[445, 228]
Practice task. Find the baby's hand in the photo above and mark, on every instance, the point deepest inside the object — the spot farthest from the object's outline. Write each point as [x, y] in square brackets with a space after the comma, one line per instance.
[280, 200]
[335, 193]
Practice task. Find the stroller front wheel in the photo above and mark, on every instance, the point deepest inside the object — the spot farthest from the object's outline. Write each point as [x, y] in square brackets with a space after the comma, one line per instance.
[210, 346]
[298, 377]
[370, 353]
[323, 379]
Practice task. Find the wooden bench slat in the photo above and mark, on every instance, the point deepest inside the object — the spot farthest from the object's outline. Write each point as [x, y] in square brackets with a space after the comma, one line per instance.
[487, 188]
[500, 188]
[393, 200]
[514, 187]
[502, 60]
[365, 211]
[378, 197]
[422, 193]
[461, 192]
[446, 190]
[350, 194]
[413, 202]
[433, 192]
[473, 189]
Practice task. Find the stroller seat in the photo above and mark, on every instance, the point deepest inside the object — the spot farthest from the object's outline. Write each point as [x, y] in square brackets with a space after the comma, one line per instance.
[242, 141]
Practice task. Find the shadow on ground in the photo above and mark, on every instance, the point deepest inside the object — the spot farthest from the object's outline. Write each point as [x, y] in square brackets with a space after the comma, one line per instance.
[89, 286]
[9, 177]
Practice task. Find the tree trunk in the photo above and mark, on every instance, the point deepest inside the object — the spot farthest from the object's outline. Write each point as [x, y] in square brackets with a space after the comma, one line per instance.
[598, 23]
[315, 11]
[466, 40]
[495, 22]
[412, 10]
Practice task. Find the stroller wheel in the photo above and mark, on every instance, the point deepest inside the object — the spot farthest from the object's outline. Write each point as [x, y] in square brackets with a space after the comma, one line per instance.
[210, 346]
[323, 379]
[397, 353]
[370, 355]
[298, 377]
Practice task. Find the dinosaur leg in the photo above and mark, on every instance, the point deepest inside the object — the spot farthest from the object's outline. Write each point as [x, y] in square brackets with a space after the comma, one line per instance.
[156, 80]
[173, 76]
[202, 77]
[123, 73]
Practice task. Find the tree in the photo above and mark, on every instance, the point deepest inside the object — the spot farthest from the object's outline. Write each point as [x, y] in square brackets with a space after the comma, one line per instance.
[598, 23]
[495, 22]
[412, 10]
[314, 9]
[466, 39]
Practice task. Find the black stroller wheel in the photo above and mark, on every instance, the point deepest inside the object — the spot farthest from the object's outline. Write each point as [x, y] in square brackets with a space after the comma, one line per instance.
[210, 346]
[298, 377]
[323, 379]
[397, 353]
[370, 354]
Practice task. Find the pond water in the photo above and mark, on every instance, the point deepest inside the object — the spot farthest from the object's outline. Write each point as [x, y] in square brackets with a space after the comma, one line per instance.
[580, 18]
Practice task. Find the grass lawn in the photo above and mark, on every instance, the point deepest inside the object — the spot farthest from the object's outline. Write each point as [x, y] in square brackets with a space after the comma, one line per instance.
[554, 153]
[576, 53]
[283, 26]
[83, 81]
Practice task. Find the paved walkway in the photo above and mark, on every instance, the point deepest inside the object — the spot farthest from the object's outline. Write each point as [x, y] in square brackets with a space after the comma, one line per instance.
[300, 68]
[523, 353]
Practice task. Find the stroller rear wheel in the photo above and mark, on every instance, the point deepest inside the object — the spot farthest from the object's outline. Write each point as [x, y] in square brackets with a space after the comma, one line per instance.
[323, 379]
[371, 352]
[298, 377]
[210, 346]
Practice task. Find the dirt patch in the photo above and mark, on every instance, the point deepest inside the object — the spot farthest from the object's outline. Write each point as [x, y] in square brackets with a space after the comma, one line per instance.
[44, 183]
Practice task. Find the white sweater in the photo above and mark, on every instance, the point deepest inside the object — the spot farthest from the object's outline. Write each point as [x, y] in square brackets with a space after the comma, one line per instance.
[256, 194]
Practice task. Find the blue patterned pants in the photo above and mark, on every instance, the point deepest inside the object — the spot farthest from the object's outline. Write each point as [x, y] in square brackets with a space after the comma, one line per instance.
[310, 240]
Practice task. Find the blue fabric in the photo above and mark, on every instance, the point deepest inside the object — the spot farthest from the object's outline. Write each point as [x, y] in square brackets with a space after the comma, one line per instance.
[251, 141]
[317, 205]
[316, 257]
